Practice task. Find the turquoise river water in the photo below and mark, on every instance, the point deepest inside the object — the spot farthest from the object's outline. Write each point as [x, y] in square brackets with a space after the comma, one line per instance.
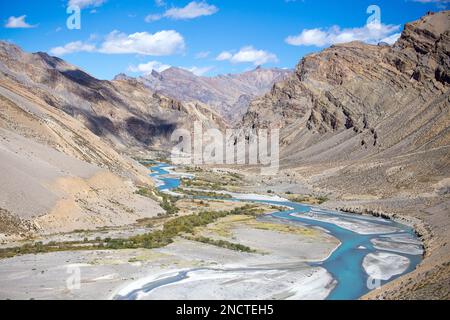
[344, 264]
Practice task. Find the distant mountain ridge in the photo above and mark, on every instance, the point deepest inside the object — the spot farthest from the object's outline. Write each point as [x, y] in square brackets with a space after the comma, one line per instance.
[229, 95]
[65, 142]
[123, 112]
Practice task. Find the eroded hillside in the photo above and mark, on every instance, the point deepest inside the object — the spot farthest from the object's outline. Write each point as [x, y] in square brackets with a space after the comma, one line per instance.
[370, 125]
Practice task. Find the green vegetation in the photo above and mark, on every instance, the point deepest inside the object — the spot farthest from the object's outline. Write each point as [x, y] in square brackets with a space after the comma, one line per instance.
[192, 169]
[145, 192]
[167, 202]
[152, 162]
[222, 244]
[156, 239]
[197, 183]
[279, 209]
[322, 199]
[39, 247]
[211, 180]
[299, 199]
[309, 199]
[206, 194]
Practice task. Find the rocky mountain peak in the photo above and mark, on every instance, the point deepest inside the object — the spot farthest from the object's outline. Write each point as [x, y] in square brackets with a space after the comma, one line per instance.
[228, 95]
[425, 44]
[363, 92]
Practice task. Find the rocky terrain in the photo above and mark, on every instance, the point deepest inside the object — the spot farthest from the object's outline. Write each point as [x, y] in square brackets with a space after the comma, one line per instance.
[123, 112]
[365, 126]
[370, 126]
[62, 133]
[229, 95]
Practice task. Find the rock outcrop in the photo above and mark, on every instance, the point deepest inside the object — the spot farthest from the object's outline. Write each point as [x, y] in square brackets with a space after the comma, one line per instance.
[370, 126]
[229, 95]
[356, 101]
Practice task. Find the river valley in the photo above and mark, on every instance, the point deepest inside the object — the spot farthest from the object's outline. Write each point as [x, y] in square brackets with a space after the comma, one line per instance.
[371, 252]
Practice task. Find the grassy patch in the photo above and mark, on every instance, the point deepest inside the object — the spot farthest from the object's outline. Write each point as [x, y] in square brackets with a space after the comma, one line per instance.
[205, 194]
[224, 227]
[282, 228]
[309, 199]
[223, 244]
[212, 181]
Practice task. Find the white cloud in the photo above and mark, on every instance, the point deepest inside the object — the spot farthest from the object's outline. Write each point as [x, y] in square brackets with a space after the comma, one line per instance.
[18, 22]
[86, 3]
[161, 43]
[202, 55]
[73, 47]
[153, 17]
[391, 39]
[199, 71]
[160, 3]
[191, 11]
[370, 33]
[224, 56]
[148, 67]
[248, 54]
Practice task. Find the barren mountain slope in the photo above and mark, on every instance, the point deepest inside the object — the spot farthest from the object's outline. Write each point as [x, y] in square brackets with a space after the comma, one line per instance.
[370, 125]
[56, 175]
[125, 113]
[229, 94]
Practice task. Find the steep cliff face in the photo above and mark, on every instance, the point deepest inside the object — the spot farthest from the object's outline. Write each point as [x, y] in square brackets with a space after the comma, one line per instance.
[229, 95]
[355, 100]
[370, 126]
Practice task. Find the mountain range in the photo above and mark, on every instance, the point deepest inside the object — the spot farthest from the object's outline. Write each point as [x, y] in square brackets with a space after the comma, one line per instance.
[229, 95]
[370, 125]
[367, 125]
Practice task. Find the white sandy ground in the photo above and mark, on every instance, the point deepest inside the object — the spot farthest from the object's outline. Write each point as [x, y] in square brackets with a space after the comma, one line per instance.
[288, 247]
[406, 248]
[300, 284]
[44, 276]
[237, 196]
[355, 225]
[384, 266]
[244, 196]
[351, 216]
[256, 197]
[402, 238]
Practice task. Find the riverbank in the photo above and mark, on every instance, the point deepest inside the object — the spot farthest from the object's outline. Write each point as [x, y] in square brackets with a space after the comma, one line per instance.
[355, 245]
[276, 251]
[427, 213]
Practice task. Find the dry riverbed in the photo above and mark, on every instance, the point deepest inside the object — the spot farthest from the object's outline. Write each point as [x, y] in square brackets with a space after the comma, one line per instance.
[105, 273]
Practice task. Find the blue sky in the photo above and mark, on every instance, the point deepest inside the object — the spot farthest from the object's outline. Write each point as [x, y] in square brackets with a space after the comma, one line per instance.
[207, 37]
